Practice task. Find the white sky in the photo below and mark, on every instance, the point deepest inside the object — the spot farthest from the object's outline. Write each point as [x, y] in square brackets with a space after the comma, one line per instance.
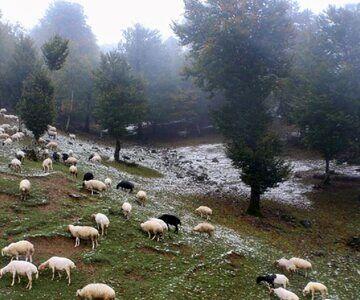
[108, 17]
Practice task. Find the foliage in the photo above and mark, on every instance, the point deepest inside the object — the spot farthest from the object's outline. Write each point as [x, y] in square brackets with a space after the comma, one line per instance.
[239, 48]
[55, 52]
[37, 102]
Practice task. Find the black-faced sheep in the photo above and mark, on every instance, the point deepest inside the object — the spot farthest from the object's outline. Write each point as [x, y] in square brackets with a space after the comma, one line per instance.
[171, 220]
[125, 185]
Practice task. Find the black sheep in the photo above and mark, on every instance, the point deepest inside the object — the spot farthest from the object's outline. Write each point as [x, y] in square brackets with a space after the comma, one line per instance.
[91, 156]
[65, 156]
[88, 176]
[171, 220]
[56, 156]
[269, 279]
[125, 185]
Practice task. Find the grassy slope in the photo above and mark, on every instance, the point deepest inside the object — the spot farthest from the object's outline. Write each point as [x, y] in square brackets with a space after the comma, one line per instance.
[176, 269]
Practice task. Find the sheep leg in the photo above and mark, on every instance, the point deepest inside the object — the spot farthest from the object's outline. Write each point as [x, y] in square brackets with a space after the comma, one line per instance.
[19, 279]
[53, 273]
[59, 274]
[154, 236]
[176, 229]
[312, 295]
[68, 275]
[29, 286]
[102, 229]
[149, 234]
[93, 244]
[13, 281]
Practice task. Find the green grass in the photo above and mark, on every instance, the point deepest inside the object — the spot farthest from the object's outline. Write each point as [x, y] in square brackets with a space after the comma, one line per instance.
[137, 170]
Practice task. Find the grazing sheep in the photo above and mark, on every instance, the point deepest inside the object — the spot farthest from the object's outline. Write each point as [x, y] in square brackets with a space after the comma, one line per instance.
[17, 136]
[52, 145]
[152, 227]
[56, 263]
[47, 165]
[20, 155]
[24, 188]
[52, 134]
[108, 182]
[41, 141]
[3, 111]
[94, 291]
[4, 136]
[171, 220]
[56, 156]
[73, 171]
[7, 142]
[285, 265]
[71, 153]
[64, 156]
[301, 264]
[126, 208]
[273, 279]
[94, 184]
[71, 161]
[51, 128]
[72, 136]
[94, 158]
[20, 248]
[88, 176]
[85, 233]
[15, 165]
[204, 210]
[141, 197]
[125, 185]
[11, 117]
[161, 222]
[22, 268]
[102, 222]
[313, 287]
[205, 228]
[284, 294]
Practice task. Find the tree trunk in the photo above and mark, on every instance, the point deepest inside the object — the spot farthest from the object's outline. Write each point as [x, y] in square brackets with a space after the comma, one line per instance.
[117, 150]
[327, 172]
[254, 205]
[70, 112]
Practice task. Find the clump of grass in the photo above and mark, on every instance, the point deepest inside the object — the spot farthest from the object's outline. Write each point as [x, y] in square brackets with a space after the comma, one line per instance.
[137, 170]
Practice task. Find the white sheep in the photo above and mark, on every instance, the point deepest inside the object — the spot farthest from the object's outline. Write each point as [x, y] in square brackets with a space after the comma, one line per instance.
[71, 161]
[52, 145]
[7, 142]
[22, 268]
[24, 188]
[94, 184]
[71, 153]
[141, 197]
[96, 158]
[4, 136]
[73, 171]
[20, 248]
[3, 111]
[108, 182]
[285, 264]
[51, 128]
[47, 165]
[85, 233]
[72, 136]
[126, 208]
[58, 264]
[99, 291]
[301, 264]
[15, 165]
[284, 294]
[11, 117]
[41, 141]
[313, 287]
[102, 222]
[152, 227]
[17, 136]
[161, 222]
[281, 279]
[205, 228]
[204, 210]
[52, 134]
[20, 155]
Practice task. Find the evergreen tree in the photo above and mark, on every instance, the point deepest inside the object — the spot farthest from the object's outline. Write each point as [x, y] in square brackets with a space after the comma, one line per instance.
[55, 52]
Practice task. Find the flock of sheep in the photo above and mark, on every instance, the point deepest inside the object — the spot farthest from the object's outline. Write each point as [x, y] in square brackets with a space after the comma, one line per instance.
[154, 227]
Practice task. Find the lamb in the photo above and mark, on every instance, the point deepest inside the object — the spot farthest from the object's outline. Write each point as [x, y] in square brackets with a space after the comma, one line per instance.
[141, 197]
[15, 164]
[20, 155]
[125, 185]
[205, 228]
[22, 268]
[171, 220]
[126, 208]
[101, 221]
[313, 287]
[72, 136]
[7, 142]
[152, 227]
[285, 265]
[273, 279]
[85, 233]
[204, 210]
[94, 184]
[71, 161]
[93, 291]
[52, 145]
[47, 165]
[56, 263]
[301, 264]
[94, 158]
[284, 294]
[23, 248]
[88, 176]
[108, 182]
[24, 188]
[73, 171]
